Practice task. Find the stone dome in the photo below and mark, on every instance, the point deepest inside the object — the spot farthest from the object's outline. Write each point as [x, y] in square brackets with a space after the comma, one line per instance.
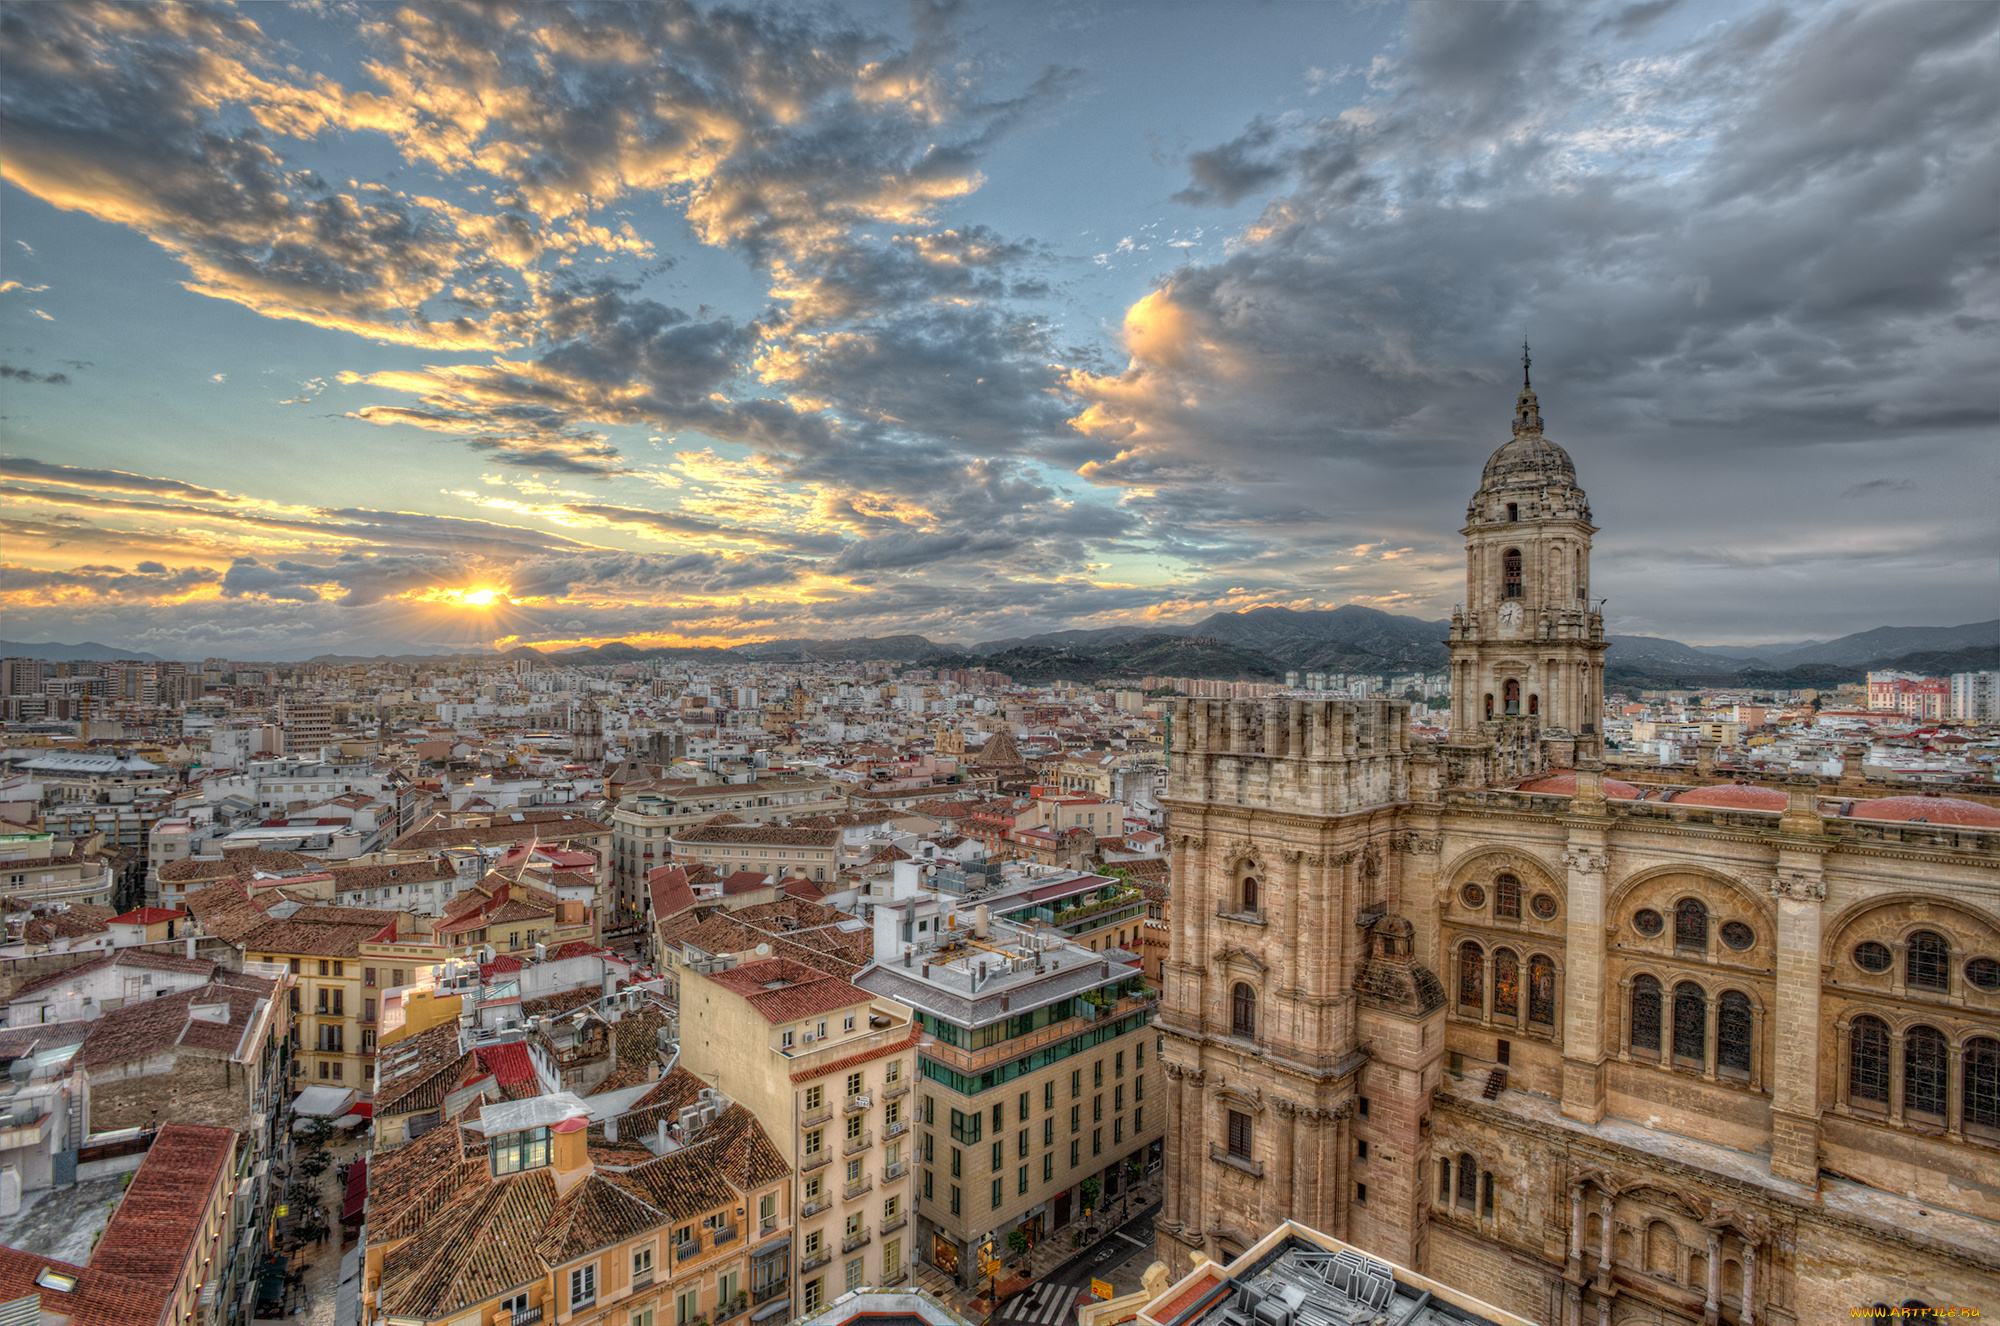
[1733, 796]
[1530, 459]
[1563, 783]
[1931, 810]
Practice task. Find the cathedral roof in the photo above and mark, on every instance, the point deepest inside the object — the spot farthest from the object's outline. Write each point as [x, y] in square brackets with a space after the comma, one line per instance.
[1735, 796]
[1563, 783]
[1931, 810]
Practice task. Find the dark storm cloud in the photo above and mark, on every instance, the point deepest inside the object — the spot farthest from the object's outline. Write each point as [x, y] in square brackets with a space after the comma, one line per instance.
[30, 375]
[1755, 245]
[1223, 176]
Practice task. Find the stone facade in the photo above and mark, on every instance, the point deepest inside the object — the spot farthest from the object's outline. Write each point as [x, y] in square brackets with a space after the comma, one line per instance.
[1608, 1060]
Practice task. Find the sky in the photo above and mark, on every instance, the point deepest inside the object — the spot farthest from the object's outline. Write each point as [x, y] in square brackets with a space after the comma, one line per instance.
[376, 328]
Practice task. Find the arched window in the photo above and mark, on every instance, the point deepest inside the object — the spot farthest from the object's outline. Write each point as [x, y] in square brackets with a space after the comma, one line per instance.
[1471, 976]
[1541, 991]
[1512, 691]
[1868, 1060]
[1690, 1022]
[1930, 961]
[1489, 704]
[1579, 573]
[1506, 983]
[1917, 1313]
[1468, 1180]
[1646, 1014]
[1732, 1031]
[1926, 1068]
[1510, 573]
[1249, 893]
[1534, 704]
[1507, 896]
[1243, 1010]
[1690, 924]
[1981, 1092]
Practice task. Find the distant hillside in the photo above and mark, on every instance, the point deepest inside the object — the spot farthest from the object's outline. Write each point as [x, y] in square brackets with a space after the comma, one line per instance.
[1107, 635]
[618, 651]
[899, 648]
[1888, 642]
[87, 652]
[1345, 639]
[1158, 653]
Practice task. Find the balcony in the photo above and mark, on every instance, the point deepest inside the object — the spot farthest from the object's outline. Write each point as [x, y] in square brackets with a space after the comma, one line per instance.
[894, 1223]
[896, 1129]
[725, 1234]
[854, 1146]
[528, 1318]
[1253, 916]
[858, 1104]
[810, 1264]
[816, 1160]
[811, 1209]
[735, 1307]
[853, 1241]
[817, 1117]
[895, 1171]
[688, 1251]
[895, 1091]
[854, 1190]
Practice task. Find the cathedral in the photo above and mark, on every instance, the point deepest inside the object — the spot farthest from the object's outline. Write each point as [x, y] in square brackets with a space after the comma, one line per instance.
[1602, 1052]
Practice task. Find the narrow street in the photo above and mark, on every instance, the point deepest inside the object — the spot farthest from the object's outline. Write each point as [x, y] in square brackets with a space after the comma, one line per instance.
[1120, 1257]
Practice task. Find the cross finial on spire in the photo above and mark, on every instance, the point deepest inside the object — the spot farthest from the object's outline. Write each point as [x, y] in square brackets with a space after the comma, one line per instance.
[1525, 361]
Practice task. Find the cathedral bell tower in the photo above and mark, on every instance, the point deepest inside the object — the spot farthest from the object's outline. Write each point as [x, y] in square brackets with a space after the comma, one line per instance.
[1527, 646]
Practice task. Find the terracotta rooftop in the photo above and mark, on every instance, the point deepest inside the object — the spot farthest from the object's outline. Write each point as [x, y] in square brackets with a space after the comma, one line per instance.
[152, 1233]
[785, 991]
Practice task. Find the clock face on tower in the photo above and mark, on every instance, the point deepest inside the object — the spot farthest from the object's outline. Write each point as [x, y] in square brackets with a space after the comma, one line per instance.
[1510, 616]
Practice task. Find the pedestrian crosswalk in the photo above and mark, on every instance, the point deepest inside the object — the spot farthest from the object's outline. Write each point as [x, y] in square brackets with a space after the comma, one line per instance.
[1040, 1305]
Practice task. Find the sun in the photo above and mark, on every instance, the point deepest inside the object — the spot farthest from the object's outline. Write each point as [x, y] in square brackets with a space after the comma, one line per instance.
[478, 598]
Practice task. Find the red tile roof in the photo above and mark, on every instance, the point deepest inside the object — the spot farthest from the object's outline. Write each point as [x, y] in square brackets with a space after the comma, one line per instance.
[149, 916]
[785, 991]
[152, 1235]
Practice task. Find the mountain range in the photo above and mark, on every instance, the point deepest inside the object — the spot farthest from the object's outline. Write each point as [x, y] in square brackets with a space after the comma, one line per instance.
[1263, 644]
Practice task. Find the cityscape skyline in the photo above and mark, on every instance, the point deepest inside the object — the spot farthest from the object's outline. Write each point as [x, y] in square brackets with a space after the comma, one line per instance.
[694, 325]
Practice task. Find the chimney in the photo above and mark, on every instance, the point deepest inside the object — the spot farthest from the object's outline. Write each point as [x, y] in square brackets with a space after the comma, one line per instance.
[611, 1128]
[661, 1145]
[190, 946]
[569, 1159]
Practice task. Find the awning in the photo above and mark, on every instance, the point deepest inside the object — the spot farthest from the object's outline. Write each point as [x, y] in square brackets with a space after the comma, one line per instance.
[771, 1309]
[325, 1102]
[772, 1248]
[357, 1193]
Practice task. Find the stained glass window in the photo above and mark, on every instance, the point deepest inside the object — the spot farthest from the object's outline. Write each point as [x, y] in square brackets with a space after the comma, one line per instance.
[1507, 898]
[1929, 959]
[1646, 1014]
[1506, 983]
[1468, 1180]
[1647, 922]
[1872, 956]
[1690, 1022]
[1925, 1070]
[1474, 895]
[1690, 924]
[1542, 991]
[1732, 1031]
[1868, 1060]
[1543, 906]
[1982, 1082]
[1984, 973]
[1738, 935]
[1471, 975]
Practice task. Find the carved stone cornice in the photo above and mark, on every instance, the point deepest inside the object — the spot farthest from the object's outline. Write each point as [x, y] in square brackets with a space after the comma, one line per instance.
[1585, 862]
[1418, 844]
[1175, 1072]
[1287, 1109]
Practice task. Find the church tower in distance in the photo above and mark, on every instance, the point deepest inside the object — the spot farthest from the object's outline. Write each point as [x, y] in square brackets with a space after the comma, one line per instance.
[1527, 647]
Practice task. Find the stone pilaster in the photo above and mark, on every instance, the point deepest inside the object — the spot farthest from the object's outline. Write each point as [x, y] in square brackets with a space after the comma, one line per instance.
[1583, 986]
[1800, 889]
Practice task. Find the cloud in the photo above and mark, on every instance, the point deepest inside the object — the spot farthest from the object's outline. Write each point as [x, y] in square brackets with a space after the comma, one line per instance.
[29, 375]
[116, 480]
